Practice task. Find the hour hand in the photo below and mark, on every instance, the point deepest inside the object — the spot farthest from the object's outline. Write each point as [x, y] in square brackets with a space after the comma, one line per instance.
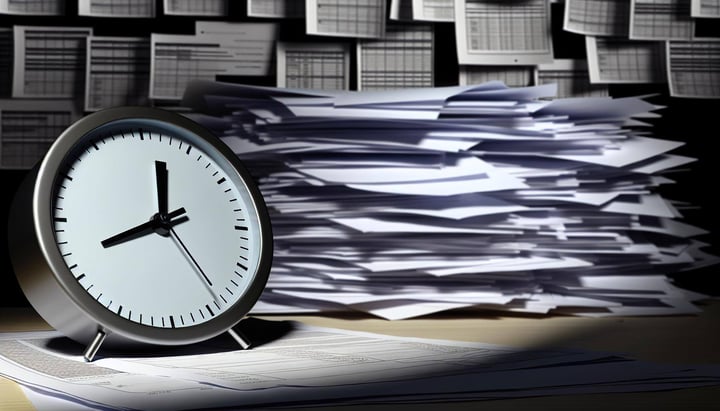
[161, 185]
[158, 223]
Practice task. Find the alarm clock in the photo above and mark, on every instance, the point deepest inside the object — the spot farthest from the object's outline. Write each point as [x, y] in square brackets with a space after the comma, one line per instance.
[139, 227]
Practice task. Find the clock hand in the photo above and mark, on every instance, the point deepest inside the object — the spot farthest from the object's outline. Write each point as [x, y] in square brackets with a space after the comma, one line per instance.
[157, 223]
[187, 252]
[161, 180]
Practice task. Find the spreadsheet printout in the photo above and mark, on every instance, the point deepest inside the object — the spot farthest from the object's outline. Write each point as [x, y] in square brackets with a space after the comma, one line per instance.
[29, 127]
[572, 79]
[117, 8]
[705, 8]
[49, 62]
[310, 365]
[33, 7]
[433, 10]
[661, 20]
[512, 76]
[196, 7]
[321, 66]
[218, 48]
[403, 59]
[694, 68]
[6, 61]
[620, 60]
[345, 18]
[597, 17]
[276, 8]
[118, 72]
[503, 33]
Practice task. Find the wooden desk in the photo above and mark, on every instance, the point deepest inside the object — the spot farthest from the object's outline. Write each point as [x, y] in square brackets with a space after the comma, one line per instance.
[680, 339]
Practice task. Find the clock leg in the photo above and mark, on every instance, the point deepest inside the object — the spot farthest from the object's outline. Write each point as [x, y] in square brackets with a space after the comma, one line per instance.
[241, 339]
[94, 346]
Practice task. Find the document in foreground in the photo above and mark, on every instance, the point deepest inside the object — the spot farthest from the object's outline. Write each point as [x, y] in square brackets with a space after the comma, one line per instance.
[296, 364]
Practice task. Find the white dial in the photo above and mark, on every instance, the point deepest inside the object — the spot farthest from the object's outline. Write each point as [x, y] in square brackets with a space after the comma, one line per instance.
[155, 226]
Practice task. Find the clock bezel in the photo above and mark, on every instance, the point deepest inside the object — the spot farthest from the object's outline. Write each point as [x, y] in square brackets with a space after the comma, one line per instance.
[108, 321]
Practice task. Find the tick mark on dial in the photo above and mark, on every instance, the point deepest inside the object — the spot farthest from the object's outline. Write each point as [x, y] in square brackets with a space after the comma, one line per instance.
[172, 322]
[241, 228]
[209, 310]
[188, 150]
[119, 311]
[222, 180]
[241, 266]
[81, 276]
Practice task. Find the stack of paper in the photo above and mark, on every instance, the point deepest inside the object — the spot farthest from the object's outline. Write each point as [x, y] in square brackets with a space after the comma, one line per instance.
[410, 202]
[309, 366]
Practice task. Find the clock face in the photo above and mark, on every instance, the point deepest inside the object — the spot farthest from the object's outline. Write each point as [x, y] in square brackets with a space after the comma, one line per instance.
[155, 224]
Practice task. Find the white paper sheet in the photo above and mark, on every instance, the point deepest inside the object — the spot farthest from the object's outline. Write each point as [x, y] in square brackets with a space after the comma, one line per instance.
[319, 66]
[404, 58]
[619, 60]
[301, 365]
[276, 8]
[661, 20]
[118, 72]
[344, 18]
[693, 68]
[705, 8]
[218, 48]
[503, 33]
[33, 7]
[512, 76]
[29, 126]
[115, 8]
[597, 17]
[433, 10]
[49, 61]
[196, 7]
[572, 78]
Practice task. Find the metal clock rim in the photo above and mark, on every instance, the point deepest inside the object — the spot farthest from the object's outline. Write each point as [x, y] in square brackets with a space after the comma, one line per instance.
[107, 320]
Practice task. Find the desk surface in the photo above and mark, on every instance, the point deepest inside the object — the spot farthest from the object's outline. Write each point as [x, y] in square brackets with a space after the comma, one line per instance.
[678, 339]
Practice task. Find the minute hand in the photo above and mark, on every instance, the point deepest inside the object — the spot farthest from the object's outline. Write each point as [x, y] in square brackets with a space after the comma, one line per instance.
[157, 222]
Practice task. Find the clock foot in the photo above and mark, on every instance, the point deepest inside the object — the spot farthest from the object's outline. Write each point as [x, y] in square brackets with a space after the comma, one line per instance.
[94, 346]
[240, 338]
